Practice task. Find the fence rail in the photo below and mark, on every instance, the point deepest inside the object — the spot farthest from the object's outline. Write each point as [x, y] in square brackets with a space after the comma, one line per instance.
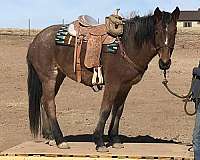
[33, 32]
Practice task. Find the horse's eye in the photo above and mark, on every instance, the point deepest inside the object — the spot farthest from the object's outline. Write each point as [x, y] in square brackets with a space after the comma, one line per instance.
[156, 32]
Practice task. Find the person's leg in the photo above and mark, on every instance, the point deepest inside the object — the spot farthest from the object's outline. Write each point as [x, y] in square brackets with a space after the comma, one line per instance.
[196, 135]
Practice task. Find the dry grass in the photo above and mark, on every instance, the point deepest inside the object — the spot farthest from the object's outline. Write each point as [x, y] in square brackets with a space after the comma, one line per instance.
[21, 32]
[33, 32]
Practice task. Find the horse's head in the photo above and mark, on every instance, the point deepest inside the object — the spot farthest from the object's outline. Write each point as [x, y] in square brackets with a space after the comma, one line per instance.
[165, 32]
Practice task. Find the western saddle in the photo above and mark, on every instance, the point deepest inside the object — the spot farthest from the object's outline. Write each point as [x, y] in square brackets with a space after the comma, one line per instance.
[86, 29]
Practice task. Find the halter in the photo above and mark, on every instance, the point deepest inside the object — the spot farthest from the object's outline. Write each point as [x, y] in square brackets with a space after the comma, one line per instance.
[158, 48]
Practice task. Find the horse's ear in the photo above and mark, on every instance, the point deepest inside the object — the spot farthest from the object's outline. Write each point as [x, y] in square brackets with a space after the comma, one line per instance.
[176, 13]
[157, 15]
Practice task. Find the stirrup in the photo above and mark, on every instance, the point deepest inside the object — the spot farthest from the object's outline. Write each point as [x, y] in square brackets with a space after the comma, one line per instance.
[97, 88]
[97, 78]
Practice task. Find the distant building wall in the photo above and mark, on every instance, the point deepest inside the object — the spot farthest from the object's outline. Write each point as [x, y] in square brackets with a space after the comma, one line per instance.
[188, 24]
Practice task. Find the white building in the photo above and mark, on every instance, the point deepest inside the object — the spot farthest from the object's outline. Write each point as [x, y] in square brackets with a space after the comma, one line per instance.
[189, 19]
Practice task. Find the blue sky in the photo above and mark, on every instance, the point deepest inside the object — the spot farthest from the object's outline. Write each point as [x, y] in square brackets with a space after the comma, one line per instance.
[15, 13]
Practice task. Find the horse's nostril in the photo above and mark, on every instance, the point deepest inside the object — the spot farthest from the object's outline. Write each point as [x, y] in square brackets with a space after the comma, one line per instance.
[168, 62]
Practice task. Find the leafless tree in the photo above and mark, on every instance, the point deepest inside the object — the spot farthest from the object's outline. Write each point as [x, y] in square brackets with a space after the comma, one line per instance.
[129, 15]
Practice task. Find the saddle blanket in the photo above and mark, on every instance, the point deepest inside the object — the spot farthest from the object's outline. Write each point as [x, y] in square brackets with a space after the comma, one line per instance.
[63, 37]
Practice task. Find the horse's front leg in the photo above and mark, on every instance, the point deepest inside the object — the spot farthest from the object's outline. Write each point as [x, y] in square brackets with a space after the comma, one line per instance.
[117, 111]
[110, 93]
[113, 133]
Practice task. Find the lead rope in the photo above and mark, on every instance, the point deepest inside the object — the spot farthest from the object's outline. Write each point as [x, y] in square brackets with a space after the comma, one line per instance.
[185, 98]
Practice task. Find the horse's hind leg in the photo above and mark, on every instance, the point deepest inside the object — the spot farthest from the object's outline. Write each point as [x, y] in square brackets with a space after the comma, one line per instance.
[116, 115]
[59, 80]
[46, 128]
[48, 88]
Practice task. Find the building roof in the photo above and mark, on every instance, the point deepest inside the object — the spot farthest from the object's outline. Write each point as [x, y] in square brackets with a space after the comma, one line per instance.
[189, 15]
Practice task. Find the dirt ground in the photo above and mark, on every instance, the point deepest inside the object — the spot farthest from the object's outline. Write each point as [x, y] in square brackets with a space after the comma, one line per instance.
[150, 110]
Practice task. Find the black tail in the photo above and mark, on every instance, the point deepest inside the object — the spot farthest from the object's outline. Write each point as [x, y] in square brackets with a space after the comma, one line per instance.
[34, 94]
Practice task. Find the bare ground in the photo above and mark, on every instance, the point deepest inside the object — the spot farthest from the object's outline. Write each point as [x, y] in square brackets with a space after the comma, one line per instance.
[149, 110]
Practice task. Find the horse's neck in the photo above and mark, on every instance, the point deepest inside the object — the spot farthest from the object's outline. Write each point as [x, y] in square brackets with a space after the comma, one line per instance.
[142, 56]
[139, 40]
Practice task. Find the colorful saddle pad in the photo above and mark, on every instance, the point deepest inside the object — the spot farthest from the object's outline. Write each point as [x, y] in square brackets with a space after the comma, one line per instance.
[63, 37]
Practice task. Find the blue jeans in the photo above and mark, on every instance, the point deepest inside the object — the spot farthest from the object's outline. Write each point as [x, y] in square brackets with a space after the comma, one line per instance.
[196, 135]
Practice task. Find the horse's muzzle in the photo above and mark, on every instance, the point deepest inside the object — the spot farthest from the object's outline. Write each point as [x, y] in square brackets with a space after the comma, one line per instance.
[164, 65]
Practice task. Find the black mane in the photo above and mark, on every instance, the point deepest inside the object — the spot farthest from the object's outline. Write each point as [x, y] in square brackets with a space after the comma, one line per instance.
[141, 29]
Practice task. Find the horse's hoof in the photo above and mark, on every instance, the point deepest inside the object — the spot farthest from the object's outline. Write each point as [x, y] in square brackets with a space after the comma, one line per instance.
[52, 142]
[117, 145]
[102, 149]
[64, 145]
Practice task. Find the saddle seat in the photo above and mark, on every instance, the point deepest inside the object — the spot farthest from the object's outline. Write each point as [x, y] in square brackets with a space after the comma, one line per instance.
[86, 20]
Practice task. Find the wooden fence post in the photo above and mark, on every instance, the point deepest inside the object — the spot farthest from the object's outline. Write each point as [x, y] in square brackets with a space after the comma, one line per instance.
[29, 27]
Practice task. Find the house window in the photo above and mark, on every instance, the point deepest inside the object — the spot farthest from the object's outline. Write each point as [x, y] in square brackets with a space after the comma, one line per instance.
[187, 24]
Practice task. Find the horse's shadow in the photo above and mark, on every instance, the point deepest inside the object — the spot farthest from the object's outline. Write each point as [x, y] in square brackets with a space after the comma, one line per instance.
[124, 139]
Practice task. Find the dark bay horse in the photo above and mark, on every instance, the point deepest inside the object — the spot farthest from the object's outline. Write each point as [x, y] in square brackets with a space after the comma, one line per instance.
[48, 65]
